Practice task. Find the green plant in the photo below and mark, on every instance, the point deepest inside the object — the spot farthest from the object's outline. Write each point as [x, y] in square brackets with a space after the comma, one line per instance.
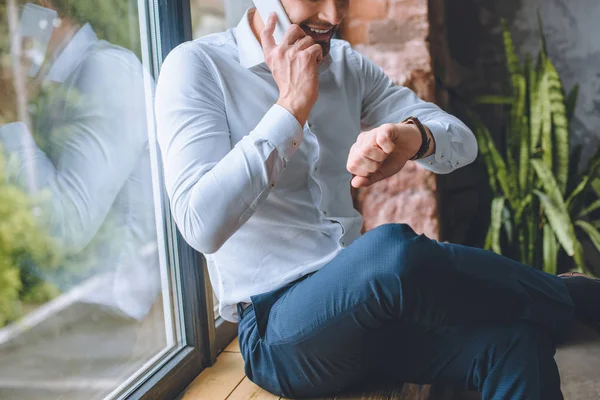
[542, 204]
[22, 243]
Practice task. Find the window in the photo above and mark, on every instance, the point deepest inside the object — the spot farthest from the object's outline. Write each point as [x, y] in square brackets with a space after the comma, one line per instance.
[99, 296]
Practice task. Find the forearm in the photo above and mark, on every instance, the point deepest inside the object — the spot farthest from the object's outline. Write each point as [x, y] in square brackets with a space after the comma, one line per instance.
[215, 189]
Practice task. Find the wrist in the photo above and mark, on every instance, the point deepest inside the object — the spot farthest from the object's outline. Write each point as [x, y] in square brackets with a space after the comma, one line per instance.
[422, 140]
[298, 108]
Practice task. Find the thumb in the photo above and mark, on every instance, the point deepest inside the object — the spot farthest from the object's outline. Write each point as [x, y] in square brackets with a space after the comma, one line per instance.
[384, 141]
[361, 181]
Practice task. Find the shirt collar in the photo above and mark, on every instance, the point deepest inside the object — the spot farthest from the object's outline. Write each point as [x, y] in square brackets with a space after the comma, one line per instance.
[250, 50]
[70, 57]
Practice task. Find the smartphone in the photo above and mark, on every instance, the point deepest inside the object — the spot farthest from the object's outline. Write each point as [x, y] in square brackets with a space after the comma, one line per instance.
[37, 26]
[265, 8]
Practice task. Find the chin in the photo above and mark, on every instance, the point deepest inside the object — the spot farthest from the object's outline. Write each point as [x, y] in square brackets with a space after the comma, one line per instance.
[326, 46]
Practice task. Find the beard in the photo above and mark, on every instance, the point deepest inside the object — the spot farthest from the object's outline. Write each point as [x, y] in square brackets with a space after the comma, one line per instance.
[323, 40]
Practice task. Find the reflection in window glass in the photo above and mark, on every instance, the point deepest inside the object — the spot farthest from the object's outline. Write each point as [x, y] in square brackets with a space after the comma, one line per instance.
[81, 294]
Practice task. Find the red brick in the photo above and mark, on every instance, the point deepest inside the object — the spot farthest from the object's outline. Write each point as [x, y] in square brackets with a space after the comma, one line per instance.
[368, 10]
[355, 32]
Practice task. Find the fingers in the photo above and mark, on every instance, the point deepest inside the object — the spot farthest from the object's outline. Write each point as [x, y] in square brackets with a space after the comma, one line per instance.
[304, 43]
[266, 35]
[384, 141]
[362, 166]
[316, 52]
[293, 34]
[361, 181]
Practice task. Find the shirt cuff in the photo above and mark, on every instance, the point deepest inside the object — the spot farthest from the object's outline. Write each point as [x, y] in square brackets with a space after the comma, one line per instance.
[280, 128]
[443, 149]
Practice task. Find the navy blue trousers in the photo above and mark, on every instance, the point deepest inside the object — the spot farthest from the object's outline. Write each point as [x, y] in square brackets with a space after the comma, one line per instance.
[413, 310]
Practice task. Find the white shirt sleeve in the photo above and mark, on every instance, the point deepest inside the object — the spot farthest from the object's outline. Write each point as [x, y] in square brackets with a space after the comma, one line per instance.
[384, 102]
[214, 187]
[94, 145]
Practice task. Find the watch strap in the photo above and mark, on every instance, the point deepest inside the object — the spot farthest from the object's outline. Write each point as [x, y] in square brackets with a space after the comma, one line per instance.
[425, 140]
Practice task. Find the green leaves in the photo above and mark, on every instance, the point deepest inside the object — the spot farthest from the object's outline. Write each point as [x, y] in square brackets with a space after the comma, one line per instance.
[493, 240]
[539, 197]
[550, 251]
[21, 240]
[560, 123]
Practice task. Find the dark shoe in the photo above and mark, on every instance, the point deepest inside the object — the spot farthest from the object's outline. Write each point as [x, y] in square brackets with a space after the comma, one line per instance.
[585, 292]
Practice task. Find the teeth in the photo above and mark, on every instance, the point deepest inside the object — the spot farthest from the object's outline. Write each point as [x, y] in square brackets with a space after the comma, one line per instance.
[319, 31]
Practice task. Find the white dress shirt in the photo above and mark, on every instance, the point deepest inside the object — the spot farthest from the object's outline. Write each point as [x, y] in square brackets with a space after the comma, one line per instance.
[265, 199]
[92, 163]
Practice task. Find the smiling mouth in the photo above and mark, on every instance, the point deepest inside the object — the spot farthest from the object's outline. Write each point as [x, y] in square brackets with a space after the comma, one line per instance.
[319, 35]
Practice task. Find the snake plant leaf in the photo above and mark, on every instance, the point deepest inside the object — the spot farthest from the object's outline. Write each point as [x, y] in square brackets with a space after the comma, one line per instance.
[560, 222]
[507, 223]
[577, 191]
[595, 184]
[574, 163]
[546, 123]
[549, 183]
[583, 186]
[571, 102]
[484, 151]
[511, 56]
[550, 250]
[496, 166]
[591, 231]
[532, 229]
[526, 201]
[515, 135]
[590, 209]
[535, 106]
[561, 125]
[494, 100]
[496, 224]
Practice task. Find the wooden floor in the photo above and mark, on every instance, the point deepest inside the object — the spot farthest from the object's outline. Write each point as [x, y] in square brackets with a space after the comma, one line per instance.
[226, 380]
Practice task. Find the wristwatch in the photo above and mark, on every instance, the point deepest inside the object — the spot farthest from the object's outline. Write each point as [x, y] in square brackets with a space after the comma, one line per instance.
[425, 140]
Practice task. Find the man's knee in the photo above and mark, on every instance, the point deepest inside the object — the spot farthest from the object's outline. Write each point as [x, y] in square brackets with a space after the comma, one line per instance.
[400, 250]
[393, 231]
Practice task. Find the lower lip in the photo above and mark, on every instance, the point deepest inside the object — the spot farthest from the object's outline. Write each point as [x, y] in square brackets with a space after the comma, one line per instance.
[319, 37]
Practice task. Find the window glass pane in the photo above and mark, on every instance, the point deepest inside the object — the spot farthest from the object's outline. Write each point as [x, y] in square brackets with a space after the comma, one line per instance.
[85, 293]
[211, 16]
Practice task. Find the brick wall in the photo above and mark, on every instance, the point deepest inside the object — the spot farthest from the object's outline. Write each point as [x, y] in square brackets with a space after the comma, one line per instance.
[394, 34]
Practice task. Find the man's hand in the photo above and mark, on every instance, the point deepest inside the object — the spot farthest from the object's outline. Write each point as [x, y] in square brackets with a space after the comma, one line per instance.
[382, 152]
[294, 64]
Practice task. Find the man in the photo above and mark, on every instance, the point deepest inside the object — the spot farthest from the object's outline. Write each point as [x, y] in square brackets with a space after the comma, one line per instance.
[259, 147]
[87, 157]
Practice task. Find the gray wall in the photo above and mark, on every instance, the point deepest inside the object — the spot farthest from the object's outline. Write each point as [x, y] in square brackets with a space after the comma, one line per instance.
[572, 29]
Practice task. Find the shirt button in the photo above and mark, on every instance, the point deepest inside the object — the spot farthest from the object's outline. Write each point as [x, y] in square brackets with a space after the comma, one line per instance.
[273, 184]
[295, 144]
